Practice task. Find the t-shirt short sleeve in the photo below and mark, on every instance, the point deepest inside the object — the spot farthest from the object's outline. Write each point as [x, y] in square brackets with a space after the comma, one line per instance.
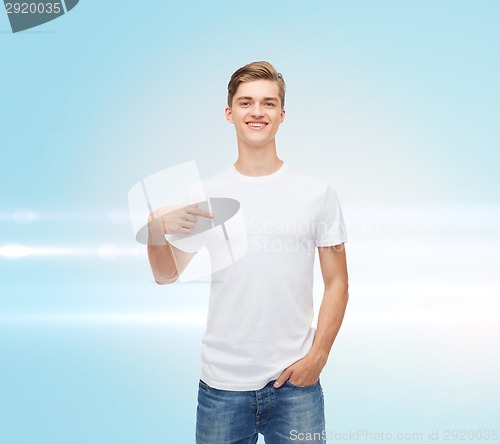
[330, 227]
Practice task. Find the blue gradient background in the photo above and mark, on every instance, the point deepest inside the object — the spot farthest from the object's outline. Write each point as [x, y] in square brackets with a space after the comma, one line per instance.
[396, 103]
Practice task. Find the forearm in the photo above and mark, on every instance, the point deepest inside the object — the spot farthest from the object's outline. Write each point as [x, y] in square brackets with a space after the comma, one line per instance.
[330, 317]
[161, 256]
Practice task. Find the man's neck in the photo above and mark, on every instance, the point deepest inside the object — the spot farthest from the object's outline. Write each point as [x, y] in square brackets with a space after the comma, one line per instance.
[257, 161]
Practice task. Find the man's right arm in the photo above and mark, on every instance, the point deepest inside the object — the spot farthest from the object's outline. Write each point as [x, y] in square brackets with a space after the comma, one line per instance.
[168, 262]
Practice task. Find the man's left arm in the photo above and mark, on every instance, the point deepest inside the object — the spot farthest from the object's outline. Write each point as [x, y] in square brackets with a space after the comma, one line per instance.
[333, 264]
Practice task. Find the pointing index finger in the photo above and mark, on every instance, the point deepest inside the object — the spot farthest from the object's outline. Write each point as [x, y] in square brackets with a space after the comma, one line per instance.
[193, 209]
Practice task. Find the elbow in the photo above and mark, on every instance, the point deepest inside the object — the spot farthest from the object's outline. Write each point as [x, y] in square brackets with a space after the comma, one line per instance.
[341, 288]
[165, 280]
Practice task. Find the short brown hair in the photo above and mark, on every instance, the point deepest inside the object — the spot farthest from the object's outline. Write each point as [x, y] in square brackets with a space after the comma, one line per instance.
[255, 71]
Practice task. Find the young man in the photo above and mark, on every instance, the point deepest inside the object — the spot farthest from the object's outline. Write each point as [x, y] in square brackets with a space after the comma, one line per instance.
[261, 358]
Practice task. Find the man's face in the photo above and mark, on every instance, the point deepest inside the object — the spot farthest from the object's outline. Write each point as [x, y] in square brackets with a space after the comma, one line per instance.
[256, 112]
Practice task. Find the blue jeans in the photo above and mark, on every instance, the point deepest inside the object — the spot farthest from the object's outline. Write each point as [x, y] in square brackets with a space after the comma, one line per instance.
[288, 414]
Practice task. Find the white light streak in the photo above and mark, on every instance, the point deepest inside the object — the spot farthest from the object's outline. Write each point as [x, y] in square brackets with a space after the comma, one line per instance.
[174, 318]
[423, 317]
[14, 251]
[111, 251]
[441, 318]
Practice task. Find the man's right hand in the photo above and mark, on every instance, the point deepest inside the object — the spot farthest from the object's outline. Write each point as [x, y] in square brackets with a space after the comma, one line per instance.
[176, 219]
[168, 262]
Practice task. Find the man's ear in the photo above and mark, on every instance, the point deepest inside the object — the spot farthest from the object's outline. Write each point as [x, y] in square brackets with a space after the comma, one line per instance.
[229, 114]
[282, 116]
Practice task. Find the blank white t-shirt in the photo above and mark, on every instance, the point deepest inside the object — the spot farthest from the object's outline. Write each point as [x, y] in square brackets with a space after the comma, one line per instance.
[261, 307]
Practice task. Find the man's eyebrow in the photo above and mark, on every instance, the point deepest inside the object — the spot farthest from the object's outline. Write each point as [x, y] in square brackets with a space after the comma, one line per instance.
[265, 99]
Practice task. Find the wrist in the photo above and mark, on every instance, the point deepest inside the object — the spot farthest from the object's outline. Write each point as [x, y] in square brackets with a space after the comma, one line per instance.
[319, 356]
[156, 232]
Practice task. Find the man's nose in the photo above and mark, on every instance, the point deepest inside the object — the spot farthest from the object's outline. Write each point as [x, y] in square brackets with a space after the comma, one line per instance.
[256, 110]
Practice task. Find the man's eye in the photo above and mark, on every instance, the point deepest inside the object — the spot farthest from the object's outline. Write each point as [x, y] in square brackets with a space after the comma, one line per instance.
[244, 103]
[269, 104]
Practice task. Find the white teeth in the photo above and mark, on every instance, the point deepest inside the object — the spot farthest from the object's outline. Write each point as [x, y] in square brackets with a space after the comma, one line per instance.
[257, 125]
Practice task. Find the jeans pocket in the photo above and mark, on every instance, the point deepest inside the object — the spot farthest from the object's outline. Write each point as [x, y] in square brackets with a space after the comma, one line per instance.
[301, 386]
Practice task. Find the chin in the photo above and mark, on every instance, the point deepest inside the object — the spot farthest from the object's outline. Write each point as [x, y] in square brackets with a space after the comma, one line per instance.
[258, 143]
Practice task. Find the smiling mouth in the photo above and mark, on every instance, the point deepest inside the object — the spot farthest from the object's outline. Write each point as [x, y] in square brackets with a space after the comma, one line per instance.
[256, 125]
